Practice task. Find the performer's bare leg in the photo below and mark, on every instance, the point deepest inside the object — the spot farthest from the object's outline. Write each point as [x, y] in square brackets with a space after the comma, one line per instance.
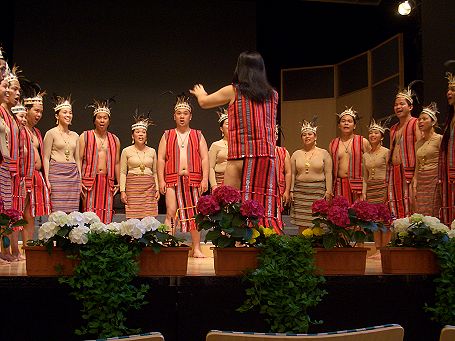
[233, 173]
[29, 229]
[171, 208]
[196, 240]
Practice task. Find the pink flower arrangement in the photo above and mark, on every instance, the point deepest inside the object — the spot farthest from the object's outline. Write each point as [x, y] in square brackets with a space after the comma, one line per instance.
[344, 225]
[10, 221]
[228, 220]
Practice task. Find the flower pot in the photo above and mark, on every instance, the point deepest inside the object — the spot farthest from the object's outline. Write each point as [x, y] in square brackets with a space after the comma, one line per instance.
[170, 261]
[408, 260]
[341, 260]
[234, 261]
[39, 262]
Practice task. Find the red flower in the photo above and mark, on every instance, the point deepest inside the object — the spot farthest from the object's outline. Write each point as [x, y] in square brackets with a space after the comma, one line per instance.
[340, 201]
[384, 213]
[365, 210]
[207, 205]
[252, 209]
[2, 207]
[320, 206]
[14, 215]
[226, 195]
[339, 216]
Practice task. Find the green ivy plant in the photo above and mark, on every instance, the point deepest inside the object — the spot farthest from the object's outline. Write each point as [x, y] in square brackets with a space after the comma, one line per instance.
[443, 311]
[102, 282]
[285, 284]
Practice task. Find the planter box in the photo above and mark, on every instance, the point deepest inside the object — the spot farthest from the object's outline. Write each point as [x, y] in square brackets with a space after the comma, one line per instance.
[234, 261]
[341, 261]
[409, 260]
[39, 262]
[170, 261]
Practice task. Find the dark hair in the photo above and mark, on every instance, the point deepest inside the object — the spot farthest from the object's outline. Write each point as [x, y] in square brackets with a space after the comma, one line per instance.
[251, 78]
[446, 131]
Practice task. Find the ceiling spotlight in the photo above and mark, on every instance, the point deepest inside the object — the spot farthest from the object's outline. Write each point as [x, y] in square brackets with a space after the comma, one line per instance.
[405, 7]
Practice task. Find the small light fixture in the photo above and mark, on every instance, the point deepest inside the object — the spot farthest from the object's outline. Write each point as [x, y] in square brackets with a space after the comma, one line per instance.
[405, 7]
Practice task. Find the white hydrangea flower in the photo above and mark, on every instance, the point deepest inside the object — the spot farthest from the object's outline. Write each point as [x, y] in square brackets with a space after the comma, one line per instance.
[98, 227]
[416, 218]
[439, 228]
[47, 230]
[429, 220]
[400, 225]
[114, 227]
[151, 223]
[451, 233]
[76, 218]
[91, 217]
[79, 235]
[132, 227]
[453, 225]
[59, 217]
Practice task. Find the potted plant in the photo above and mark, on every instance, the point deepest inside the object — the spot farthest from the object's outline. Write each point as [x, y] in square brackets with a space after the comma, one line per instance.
[410, 250]
[337, 230]
[285, 286]
[233, 228]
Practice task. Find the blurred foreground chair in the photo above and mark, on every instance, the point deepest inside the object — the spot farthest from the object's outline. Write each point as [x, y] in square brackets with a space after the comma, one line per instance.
[153, 336]
[387, 332]
[447, 333]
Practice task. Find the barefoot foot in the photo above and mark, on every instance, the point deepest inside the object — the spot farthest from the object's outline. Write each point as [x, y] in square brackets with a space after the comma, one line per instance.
[198, 254]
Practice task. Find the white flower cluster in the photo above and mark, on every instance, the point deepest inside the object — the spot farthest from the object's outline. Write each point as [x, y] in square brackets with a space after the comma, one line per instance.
[81, 224]
[401, 226]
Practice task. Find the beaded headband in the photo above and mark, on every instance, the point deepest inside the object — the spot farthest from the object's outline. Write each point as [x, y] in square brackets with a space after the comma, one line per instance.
[18, 109]
[100, 106]
[222, 115]
[451, 78]
[378, 125]
[183, 102]
[141, 122]
[12, 74]
[62, 103]
[431, 110]
[309, 126]
[38, 98]
[349, 111]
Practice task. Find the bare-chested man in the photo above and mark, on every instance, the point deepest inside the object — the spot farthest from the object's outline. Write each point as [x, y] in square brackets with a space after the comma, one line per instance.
[183, 171]
[403, 136]
[99, 152]
[347, 156]
[37, 201]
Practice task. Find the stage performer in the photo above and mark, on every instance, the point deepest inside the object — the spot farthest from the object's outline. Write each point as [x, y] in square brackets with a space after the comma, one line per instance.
[138, 178]
[37, 200]
[311, 169]
[425, 183]
[218, 152]
[347, 157]
[375, 164]
[183, 171]
[403, 136]
[11, 190]
[251, 165]
[447, 158]
[99, 154]
[283, 166]
[61, 160]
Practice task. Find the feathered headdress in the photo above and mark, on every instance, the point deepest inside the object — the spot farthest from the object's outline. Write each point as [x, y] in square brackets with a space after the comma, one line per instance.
[451, 78]
[141, 121]
[183, 102]
[432, 111]
[408, 93]
[381, 125]
[12, 74]
[101, 106]
[348, 111]
[18, 109]
[37, 98]
[62, 103]
[2, 56]
[309, 125]
[222, 114]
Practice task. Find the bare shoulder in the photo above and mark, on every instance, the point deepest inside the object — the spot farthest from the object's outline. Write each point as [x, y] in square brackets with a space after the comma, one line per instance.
[323, 151]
